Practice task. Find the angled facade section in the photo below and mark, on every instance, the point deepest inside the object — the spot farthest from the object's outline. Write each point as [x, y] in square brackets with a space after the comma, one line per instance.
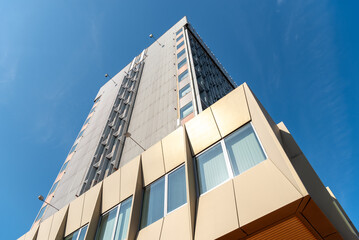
[172, 149]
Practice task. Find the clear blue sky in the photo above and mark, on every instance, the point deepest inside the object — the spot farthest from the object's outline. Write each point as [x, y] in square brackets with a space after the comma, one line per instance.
[301, 58]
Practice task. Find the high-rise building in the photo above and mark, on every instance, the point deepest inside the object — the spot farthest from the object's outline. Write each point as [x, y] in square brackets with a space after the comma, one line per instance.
[173, 149]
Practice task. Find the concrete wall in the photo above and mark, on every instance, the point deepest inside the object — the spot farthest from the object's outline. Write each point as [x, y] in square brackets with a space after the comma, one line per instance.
[154, 116]
[71, 181]
[155, 112]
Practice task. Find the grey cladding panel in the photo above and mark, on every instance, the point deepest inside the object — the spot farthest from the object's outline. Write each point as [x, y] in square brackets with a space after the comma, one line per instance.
[154, 114]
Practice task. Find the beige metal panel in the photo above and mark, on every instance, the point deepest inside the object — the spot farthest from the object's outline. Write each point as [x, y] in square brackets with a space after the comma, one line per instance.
[315, 187]
[202, 131]
[92, 198]
[262, 190]
[151, 232]
[174, 149]
[111, 191]
[75, 213]
[191, 187]
[58, 224]
[92, 210]
[22, 237]
[231, 111]
[31, 235]
[135, 214]
[270, 142]
[318, 220]
[217, 212]
[152, 163]
[44, 229]
[176, 225]
[289, 144]
[129, 174]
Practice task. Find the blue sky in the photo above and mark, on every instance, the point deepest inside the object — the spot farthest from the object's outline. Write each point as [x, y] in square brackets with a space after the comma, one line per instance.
[300, 58]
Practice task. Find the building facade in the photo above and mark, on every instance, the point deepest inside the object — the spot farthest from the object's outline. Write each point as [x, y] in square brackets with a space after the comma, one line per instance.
[173, 149]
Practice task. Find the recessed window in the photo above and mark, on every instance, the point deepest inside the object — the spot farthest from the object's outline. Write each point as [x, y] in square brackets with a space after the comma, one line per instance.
[53, 187]
[181, 53]
[153, 203]
[244, 150]
[87, 120]
[64, 166]
[179, 38]
[183, 75]
[182, 63]
[230, 157]
[155, 196]
[179, 31]
[80, 134]
[176, 189]
[78, 235]
[93, 109]
[186, 110]
[41, 213]
[183, 91]
[180, 44]
[73, 148]
[114, 223]
[97, 99]
[212, 169]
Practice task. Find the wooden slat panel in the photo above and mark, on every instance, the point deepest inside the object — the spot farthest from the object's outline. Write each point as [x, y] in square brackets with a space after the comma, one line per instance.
[292, 229]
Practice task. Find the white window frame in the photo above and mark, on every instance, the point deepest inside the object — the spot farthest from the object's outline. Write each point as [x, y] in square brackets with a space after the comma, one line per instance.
[117, 214]
[226, 159]
[80, 229]
[189, 90]
[165, 205]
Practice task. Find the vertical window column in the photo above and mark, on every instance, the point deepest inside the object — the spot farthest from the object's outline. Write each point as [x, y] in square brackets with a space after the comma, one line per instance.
[183, 84]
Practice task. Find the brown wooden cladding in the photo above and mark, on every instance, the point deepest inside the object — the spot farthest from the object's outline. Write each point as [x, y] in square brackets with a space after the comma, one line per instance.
[292, 229]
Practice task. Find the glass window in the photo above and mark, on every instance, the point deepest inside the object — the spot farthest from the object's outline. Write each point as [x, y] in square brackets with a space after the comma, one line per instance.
[176, 189]
[53, 187]
[179, 31]
[212, 169]
[180, 44]
[183, 75]
[183, 91]
[80, 134]
[244, 150]
[182, 63]
[64, 166]
[87, 120]
[123, 220]
[78, 235]
[93, 109]
[179, 38]
[186, 110]
[73, 148]
[155, 196]
[232, 156]
[97, 99]
[181, 53]
[114, 224]
[39, 216]
[153, 203]
[107, 224]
